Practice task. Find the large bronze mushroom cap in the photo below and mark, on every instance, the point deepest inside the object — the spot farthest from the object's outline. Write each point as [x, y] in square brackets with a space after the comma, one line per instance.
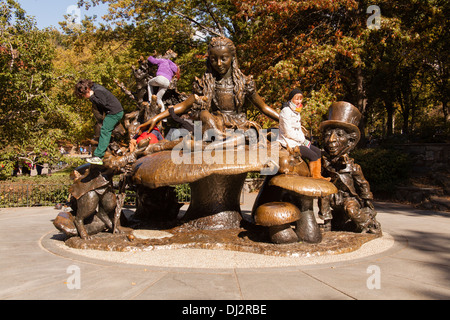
[304, 185]
[159, 169]
[215, 187]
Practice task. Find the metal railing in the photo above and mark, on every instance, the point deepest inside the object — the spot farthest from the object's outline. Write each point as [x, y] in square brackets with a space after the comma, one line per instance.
[32, 195]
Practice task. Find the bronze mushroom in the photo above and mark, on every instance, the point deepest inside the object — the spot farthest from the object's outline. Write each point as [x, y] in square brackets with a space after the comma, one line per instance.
[278, 216]
[215, 187]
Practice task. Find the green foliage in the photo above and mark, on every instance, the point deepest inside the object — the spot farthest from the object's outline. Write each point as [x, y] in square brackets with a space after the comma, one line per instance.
[304, 44]
[407, 67]
[316, 106]
[73, 162]
[25, 76]
[383, 168]
[25, 191]
[27, 114]
[183, 192]
[28, 195]
[397, 74]
[87, 52]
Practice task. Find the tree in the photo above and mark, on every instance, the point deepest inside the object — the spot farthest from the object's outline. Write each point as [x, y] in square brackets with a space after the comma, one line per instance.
[312, 45]
[430, 20]
[85, 52]
[406, 68]
[26, 111]
[274, 45]
[154, 26]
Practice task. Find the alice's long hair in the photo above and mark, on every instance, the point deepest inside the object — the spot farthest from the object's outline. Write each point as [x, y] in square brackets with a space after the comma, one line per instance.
[209, 78]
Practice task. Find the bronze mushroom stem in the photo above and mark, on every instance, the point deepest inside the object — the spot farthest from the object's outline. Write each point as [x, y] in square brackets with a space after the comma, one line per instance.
[300, 192]
[215, 186]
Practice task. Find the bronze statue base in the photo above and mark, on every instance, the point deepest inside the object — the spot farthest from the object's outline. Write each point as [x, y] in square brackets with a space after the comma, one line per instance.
[215, 203]
[250, 240]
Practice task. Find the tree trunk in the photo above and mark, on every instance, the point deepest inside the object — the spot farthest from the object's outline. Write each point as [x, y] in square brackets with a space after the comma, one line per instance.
[390, 118]
[361, 104]
[445, 111]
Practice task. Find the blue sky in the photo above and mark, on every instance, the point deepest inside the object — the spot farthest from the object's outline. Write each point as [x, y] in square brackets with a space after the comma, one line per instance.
[49, 12]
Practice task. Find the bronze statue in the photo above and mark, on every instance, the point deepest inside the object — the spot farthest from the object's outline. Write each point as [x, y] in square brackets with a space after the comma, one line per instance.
[220, 94]
[285, 203]
[91, 189]
[351, 208]
[217, 101]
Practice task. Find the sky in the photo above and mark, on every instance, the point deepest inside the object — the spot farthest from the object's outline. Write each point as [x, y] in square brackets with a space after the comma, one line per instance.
[49, 12]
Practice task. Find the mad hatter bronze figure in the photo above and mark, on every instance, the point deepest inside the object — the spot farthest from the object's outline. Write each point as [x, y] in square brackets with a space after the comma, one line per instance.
[351, 208]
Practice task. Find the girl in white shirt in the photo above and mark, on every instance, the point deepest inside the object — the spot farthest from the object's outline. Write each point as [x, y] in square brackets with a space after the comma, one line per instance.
[291, 134]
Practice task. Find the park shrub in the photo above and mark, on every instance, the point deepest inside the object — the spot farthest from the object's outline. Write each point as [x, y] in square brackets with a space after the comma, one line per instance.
[183, 192]
[384, 168]
[73, 162]
[43, 190]
[33, 192]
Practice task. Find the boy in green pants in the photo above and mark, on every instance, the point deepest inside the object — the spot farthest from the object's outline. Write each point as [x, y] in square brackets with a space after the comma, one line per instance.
[103, 102]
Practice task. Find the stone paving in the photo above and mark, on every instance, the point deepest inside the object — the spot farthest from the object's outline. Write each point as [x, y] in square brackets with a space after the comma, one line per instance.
[416, 265]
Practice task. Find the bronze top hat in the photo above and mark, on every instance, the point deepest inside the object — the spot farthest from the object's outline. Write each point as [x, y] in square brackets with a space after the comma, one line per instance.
[343, 115]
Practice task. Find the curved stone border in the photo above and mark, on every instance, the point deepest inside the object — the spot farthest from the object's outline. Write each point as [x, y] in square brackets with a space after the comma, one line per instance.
[210, 259]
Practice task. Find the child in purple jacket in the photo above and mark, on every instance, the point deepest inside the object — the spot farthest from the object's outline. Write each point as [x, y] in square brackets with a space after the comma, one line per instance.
[166, 71]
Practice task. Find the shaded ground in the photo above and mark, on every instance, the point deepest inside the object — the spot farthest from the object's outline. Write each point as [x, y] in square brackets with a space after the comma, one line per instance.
[428, 190]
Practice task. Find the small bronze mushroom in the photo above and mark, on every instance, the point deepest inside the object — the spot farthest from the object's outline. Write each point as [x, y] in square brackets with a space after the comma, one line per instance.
[307, 188]
[278, 216]
[300, 191]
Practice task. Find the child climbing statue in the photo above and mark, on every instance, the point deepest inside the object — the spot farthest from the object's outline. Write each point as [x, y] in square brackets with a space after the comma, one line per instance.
[104, 104]
[292, 136]
[167, 69]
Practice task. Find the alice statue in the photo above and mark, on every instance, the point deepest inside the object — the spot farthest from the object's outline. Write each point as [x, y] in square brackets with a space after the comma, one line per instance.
[223, 90]
[217, 101]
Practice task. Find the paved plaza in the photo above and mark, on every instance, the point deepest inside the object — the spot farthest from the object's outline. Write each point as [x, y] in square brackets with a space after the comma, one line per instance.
[411, 261]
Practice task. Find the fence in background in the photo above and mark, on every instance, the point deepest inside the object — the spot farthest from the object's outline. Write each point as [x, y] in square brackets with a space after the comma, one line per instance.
[33, 195]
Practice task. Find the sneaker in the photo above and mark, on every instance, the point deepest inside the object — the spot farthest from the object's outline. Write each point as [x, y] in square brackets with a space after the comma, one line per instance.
[95, 160]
